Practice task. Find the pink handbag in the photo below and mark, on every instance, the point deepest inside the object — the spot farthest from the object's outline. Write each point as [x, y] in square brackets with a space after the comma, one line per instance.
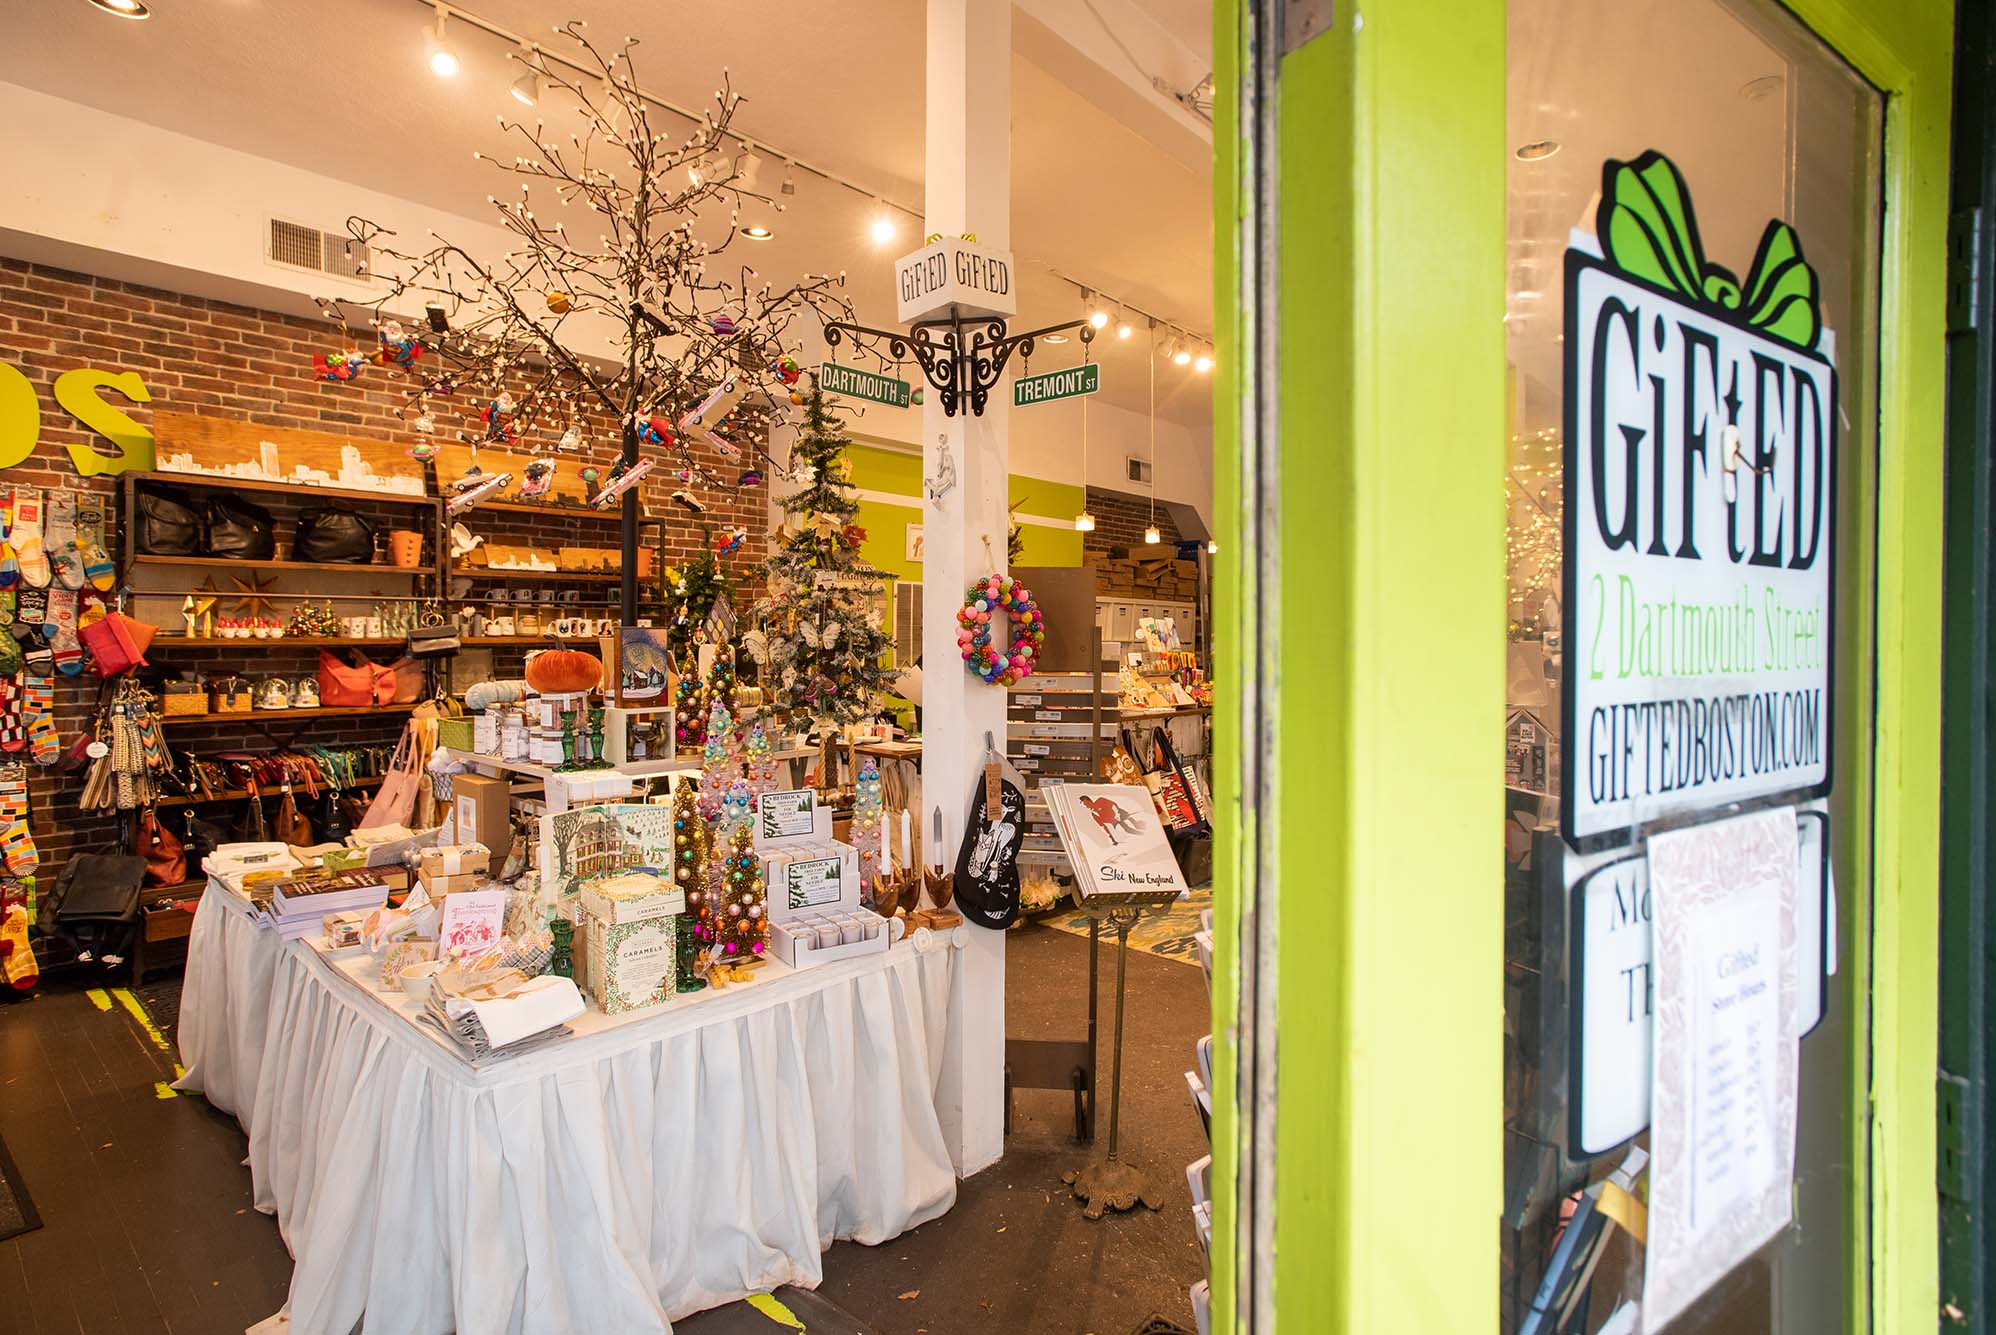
[395, 802]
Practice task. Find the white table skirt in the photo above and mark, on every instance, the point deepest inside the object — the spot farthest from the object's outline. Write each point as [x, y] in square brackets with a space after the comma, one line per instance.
[647, 1168]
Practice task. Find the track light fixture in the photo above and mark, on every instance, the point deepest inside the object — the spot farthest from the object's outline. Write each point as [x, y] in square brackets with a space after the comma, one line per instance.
[443, 60]
[527, 88]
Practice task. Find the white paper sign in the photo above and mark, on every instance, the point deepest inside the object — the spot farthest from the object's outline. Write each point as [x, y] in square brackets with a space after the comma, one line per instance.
[818, 881]
[1700, 481]
[1724, 1064]
[1613, 997]
[786, 813]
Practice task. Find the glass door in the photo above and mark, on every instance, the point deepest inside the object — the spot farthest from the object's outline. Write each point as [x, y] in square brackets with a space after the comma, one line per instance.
[1731, 116]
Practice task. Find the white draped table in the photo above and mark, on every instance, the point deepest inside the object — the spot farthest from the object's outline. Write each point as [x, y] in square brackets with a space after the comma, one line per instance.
[649, 1166]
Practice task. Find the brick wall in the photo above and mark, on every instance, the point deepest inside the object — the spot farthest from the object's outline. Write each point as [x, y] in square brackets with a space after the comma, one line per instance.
[222, 360]
[1120, 520]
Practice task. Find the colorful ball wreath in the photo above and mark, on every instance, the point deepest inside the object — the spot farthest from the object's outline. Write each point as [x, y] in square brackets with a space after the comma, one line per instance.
[1000, 593]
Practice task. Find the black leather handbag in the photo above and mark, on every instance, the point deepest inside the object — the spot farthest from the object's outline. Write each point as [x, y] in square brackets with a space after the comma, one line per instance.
[333, 533]
[168, 523]
[238, 530]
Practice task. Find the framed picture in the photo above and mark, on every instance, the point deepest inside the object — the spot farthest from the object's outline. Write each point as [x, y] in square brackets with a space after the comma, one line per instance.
[644, 667]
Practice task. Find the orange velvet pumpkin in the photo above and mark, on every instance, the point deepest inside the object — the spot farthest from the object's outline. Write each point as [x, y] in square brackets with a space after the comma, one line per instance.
[564, 672]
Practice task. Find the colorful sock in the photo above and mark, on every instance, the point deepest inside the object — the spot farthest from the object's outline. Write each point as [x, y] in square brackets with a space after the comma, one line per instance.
[31, 608]
[38, 711]
[60, 631]
[97, 566]
[92, 610]
[7, 605]
[13, 728]
[60, 540]
[17, 845]
[26, 535]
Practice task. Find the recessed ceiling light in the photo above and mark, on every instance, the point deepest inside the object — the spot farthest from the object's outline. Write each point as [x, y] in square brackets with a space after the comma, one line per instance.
[125, 9]
[883, 230]
[757, 232]
[1537, 151]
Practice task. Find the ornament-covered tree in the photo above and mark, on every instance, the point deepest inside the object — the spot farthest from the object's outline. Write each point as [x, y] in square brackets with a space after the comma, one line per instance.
[741, 922]
[690, 855]
[692, 593]
[826, 646]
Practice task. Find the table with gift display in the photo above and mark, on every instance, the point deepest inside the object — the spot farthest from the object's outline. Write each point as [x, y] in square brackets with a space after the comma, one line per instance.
[663, 1070]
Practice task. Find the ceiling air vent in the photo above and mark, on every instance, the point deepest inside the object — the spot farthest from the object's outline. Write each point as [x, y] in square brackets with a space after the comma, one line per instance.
[304, 247]
[1138, 470]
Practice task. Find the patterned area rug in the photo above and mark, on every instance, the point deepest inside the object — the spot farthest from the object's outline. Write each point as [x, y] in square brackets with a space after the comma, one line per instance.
[1168, 934]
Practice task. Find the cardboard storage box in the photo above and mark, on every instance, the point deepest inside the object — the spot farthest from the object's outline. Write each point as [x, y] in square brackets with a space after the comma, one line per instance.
[455, 860]
[482, 804]
[439, 886]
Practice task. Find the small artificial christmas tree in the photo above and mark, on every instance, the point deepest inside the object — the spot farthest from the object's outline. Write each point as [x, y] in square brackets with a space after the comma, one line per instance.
[693, 592]
[690, 856]
[825, 647]
[741, 925]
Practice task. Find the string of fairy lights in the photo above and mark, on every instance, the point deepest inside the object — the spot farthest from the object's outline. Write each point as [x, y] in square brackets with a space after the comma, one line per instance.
[1535, 501]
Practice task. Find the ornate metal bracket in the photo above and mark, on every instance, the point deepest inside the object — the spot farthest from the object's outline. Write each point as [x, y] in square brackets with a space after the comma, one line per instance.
[960, 358]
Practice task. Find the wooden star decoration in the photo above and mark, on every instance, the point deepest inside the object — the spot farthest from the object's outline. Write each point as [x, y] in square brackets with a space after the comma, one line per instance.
[253, 587]
[203, 606]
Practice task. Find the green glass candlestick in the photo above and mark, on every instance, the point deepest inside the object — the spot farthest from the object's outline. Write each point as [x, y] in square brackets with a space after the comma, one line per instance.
[562, 962]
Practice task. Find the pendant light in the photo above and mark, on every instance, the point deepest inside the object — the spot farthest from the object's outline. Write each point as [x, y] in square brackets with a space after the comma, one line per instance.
[1084, 522]
[1151, 536]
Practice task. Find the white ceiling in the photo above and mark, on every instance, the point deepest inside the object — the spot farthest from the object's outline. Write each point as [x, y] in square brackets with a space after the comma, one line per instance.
[342, 89]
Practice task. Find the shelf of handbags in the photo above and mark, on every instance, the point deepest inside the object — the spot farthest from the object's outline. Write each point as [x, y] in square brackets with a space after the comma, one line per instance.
[191, 520]
[1199, 1174]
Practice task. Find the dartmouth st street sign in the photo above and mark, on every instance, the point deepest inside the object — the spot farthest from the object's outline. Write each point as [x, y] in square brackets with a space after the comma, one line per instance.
[857, 384]
[1067, 384]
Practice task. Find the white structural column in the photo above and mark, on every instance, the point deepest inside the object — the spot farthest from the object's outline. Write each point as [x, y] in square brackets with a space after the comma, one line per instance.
[969, 189]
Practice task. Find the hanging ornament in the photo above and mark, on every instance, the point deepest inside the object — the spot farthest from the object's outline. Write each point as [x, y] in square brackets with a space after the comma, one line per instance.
[622, 478]
[1000, 595]
[337, 366]
[655, 431]
[560, 302]
[687, 499]
[915, 396]
[423, 450]
[570, 442]
[786, 369]
[731, 542]
[536, 478]
[723, 325]
[498, 419]
[398, 346]
[749, 478]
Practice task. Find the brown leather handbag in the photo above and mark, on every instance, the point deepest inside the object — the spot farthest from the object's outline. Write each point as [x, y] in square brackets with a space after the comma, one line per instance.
[293, 827]
[166, 857]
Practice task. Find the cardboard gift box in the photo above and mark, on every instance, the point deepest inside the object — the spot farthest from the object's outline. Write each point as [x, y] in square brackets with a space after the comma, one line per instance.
[483, 805]
[454, 860]
[631, 965]
[632, 897]
[439, 886]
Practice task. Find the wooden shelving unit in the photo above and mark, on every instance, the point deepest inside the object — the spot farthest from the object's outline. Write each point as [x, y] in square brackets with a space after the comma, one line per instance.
[560, 512]
[175, 643]
[238, 794]
[215, 482]
[278, 715]
[144, 560]
[539, 576]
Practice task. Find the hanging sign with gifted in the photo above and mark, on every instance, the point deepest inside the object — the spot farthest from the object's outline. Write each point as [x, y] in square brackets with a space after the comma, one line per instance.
[1700, 519]
[1067, 383]
[857, 384]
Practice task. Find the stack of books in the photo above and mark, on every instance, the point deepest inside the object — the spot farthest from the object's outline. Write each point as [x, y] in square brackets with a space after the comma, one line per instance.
[299, 905]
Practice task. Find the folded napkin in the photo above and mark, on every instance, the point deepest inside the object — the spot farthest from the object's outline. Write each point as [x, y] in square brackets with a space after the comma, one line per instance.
[536, 1005]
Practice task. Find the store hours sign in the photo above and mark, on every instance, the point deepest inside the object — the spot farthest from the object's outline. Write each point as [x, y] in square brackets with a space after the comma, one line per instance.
[1700, 450]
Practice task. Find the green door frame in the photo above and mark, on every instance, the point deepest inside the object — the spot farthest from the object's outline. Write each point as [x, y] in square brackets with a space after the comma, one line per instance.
[1359, 434]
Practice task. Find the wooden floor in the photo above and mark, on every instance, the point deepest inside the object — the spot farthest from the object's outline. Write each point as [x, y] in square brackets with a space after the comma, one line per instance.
[146, 1225]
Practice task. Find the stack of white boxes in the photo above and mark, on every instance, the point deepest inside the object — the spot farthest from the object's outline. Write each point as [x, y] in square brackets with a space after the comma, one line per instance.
[810, 883]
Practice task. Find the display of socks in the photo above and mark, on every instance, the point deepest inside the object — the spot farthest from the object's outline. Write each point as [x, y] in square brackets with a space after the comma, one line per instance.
[91, 608]
[13, 725]
[59, 629]
[59, 541]
[26, 538]
[38, 713]
[7, 605]
[30, 609]
[17, 845]
[97, 568]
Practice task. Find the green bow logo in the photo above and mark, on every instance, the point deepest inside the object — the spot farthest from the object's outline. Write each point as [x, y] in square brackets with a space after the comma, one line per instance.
[1648, 231]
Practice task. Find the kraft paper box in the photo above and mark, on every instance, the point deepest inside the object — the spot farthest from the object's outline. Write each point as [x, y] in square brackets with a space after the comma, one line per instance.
[631, 965]
[482, 805]
[439, 886]
[632, 897]
[455, 860]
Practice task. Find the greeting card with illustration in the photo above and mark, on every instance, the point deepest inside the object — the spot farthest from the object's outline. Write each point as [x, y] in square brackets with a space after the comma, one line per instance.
[1113, 837]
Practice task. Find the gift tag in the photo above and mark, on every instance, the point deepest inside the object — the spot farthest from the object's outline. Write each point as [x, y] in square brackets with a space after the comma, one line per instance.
[992, 798]
[97, 750]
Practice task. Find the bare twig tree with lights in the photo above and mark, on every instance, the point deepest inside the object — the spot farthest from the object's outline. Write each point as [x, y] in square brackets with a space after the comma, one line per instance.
[611, 299]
